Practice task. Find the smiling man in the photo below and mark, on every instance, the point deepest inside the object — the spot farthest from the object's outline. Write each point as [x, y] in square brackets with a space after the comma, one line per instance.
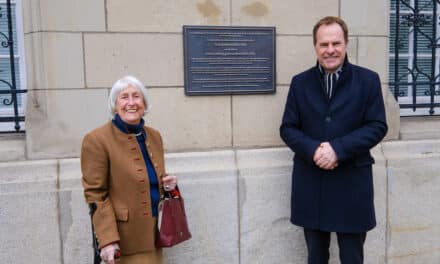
[333, 116]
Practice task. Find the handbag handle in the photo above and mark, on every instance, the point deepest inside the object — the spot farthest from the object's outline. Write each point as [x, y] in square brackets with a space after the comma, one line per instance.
[174, 193]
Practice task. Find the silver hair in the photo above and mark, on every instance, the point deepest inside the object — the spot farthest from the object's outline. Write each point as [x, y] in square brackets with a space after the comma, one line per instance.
[123, 84]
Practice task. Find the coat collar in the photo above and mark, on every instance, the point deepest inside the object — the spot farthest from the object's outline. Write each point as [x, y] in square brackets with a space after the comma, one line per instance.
[344, 76]
[137, 129]
[123, 135]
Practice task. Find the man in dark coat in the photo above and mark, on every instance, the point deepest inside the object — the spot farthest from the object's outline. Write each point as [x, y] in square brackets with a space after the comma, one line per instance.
[334, 115]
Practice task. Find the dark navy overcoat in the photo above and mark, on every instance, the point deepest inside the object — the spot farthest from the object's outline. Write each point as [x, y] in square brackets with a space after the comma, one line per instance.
[353, 121]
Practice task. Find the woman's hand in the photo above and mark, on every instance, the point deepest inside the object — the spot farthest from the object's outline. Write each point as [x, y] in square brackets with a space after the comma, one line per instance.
[169, 182]
[109, 253]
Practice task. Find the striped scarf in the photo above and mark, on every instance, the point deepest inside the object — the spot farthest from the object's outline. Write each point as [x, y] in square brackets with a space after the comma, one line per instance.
[330, 80]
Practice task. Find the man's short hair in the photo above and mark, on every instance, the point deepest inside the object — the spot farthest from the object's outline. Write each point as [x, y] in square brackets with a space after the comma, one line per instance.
[327, 21]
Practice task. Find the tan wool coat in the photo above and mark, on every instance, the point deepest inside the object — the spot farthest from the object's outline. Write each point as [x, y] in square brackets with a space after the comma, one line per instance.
[115, 177]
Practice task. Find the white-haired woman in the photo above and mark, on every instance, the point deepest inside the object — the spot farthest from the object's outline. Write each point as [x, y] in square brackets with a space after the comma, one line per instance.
[122, 164]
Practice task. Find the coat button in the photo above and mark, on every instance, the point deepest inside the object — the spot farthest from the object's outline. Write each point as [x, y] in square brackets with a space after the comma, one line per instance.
[328, 119]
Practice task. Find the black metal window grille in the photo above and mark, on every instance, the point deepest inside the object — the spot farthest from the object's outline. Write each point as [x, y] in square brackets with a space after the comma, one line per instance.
[11, 95]
[414, 68]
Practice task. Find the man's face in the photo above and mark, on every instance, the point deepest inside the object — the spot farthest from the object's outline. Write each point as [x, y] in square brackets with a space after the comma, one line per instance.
[330, 46]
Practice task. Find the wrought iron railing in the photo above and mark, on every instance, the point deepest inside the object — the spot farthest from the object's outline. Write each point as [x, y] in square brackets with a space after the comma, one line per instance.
[12, 100]
[414, 60]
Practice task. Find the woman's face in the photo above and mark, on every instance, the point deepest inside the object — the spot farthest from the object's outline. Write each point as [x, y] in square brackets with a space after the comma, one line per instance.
[130, 105]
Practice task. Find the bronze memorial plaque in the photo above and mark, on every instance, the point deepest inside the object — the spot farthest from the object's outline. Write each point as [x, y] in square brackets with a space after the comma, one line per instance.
[229, 60]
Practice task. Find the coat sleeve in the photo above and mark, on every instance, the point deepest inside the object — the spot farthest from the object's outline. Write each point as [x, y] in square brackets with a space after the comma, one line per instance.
[290, 129]
[373, 129]
[95, 175]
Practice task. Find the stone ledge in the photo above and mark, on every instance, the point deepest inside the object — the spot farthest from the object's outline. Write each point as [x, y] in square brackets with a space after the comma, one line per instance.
[200, 161]
[28, 176]
[236, 195]
[411, 149]
[423, 127]
[12, 148]
[70, 174]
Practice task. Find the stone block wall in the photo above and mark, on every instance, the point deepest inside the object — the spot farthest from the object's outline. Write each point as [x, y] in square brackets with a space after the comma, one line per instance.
[233, 169]
[238, 208]
[76, 50]
[413, 195]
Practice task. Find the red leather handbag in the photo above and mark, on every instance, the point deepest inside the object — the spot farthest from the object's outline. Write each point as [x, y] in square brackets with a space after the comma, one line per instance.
[172, 226]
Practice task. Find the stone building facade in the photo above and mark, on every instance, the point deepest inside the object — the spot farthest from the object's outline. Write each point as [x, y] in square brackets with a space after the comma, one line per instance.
[233, 168]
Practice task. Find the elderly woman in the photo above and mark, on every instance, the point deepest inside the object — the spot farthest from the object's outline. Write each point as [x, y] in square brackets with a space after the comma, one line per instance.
[123, 169]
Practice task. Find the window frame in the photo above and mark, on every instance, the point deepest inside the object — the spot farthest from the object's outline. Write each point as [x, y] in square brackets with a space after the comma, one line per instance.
[409, 55]
[8, 111]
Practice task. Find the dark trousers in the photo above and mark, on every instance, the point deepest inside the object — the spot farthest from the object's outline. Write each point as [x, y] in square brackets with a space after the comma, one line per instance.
[351, 247]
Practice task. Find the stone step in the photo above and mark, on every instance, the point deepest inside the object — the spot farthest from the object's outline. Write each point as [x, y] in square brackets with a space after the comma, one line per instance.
[423, 127]
[12, 147]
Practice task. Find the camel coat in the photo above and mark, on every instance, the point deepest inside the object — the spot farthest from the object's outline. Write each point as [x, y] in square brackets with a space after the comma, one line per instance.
[115, 178]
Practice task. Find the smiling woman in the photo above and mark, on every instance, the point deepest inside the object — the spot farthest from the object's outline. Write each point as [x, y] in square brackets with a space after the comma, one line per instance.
[125, 91]
[130, 105]
[125, 157]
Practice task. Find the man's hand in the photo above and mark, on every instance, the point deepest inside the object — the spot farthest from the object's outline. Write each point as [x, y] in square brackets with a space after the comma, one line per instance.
[325, 157]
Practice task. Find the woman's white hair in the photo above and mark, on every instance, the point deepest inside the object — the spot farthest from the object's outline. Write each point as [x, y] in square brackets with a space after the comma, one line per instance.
[123, 84]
